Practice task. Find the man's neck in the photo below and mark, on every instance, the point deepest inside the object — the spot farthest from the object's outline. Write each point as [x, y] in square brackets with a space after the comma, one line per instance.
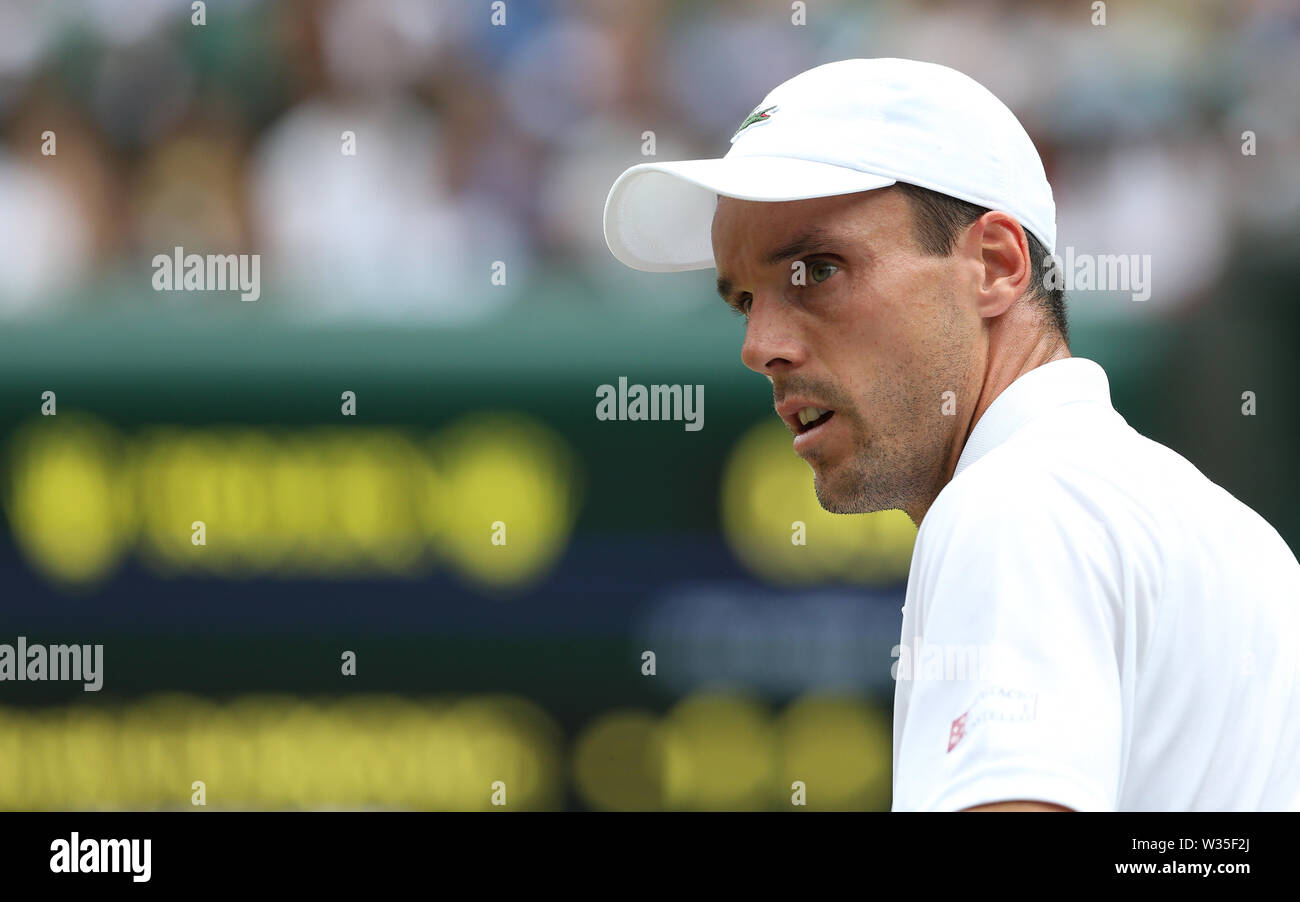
[1005, 362]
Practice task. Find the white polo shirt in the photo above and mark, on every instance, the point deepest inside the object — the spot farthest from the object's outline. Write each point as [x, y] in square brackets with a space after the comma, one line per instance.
[1090, 621]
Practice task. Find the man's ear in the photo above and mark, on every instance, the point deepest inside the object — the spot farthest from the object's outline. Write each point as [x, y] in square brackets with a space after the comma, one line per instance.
[1005, 268]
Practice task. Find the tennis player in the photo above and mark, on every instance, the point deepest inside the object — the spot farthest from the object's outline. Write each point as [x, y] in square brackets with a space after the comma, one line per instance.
[885, 226]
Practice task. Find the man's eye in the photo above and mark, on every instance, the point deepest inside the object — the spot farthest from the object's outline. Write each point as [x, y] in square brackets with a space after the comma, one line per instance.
[821, 271]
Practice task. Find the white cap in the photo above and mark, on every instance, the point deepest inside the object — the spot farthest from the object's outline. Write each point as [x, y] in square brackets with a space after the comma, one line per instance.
[848, 126]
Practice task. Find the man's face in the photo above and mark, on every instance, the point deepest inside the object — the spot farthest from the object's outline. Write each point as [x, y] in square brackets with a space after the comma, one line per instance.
[876, 335]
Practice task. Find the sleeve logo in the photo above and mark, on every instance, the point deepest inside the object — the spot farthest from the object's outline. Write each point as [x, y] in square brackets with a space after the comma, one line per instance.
[997, 704]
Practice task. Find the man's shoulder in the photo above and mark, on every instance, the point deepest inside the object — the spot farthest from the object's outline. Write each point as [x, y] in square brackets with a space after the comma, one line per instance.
[1047, 465]
[1083, 470]
[1078, 471]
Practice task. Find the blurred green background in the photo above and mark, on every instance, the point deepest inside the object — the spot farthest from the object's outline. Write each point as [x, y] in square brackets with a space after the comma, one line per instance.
[487, 148]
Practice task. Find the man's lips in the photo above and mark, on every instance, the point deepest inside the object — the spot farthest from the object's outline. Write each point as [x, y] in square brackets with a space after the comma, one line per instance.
[803, 415]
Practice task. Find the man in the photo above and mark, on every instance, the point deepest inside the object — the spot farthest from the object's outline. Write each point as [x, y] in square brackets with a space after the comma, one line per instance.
[885, 228]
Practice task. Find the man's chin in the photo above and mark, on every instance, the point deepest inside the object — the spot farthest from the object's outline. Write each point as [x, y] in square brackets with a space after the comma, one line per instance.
[835, 499]
[847, 493]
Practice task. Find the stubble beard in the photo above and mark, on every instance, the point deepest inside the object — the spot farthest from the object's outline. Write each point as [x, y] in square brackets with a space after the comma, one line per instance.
[874, 477]
[893, 469]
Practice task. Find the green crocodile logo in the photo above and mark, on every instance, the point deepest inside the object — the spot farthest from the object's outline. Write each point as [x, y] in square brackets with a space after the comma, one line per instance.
[757, 116]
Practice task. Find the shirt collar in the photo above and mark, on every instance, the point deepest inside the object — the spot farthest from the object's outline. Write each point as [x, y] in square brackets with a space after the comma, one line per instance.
[1051, 385]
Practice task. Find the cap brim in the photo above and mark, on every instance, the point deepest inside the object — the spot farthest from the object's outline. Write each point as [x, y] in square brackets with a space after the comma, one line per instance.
[659, 216]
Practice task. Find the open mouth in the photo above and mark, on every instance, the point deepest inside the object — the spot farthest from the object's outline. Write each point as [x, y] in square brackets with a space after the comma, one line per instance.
[812, 417]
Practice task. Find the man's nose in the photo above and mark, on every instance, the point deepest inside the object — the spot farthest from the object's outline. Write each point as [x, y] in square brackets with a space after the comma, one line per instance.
[770, 343]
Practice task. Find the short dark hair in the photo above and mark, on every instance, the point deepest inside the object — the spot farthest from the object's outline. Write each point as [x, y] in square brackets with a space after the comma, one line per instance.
[938, 219]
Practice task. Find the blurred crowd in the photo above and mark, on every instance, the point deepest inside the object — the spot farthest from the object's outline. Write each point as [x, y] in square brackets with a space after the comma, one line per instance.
[480, 140]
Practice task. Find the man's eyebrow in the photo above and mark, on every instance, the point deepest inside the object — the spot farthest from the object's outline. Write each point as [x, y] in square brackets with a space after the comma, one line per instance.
[813, 238]
[725, 288]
